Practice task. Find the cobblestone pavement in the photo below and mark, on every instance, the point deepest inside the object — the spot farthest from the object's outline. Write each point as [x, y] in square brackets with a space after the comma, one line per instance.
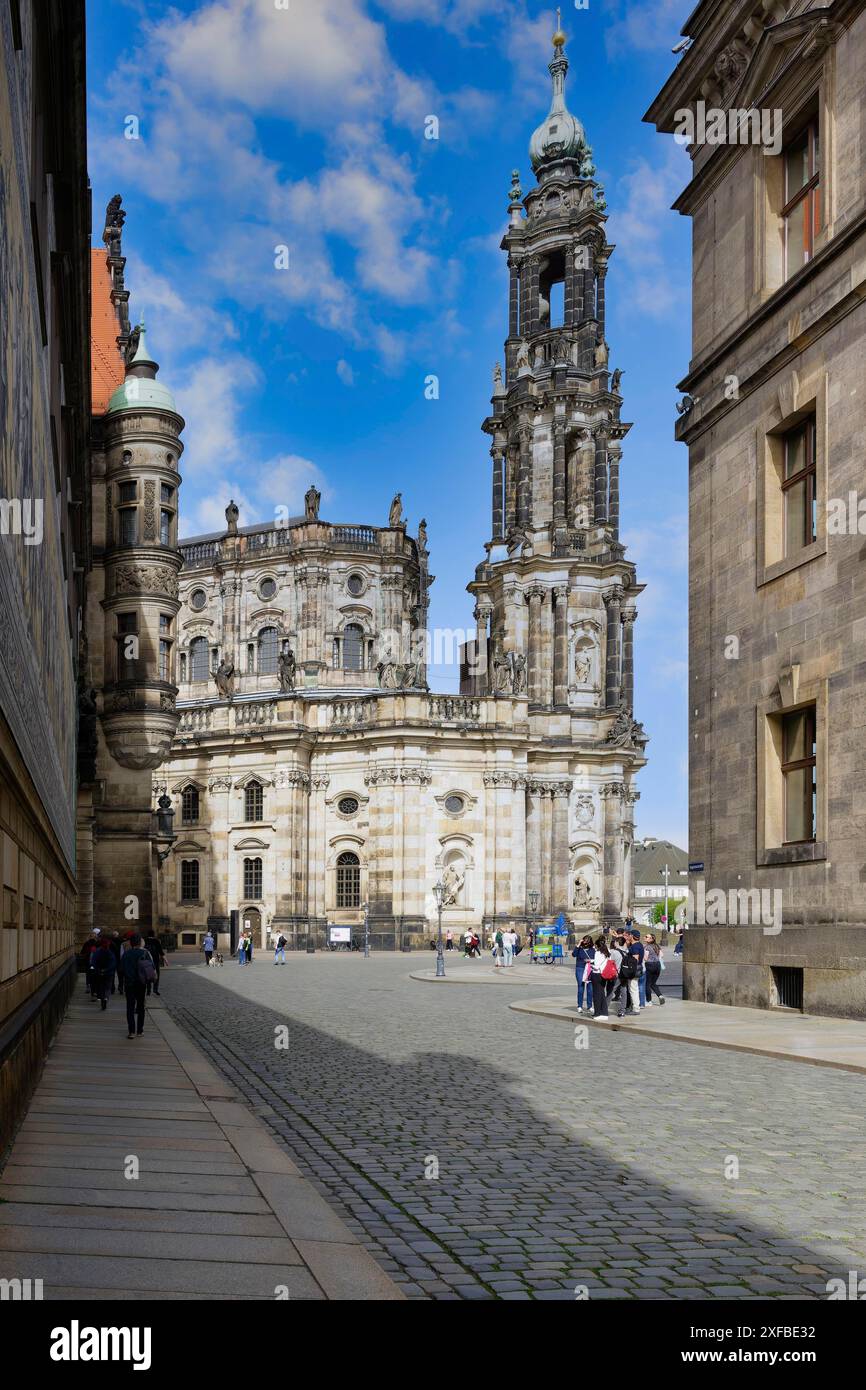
[608, 1169]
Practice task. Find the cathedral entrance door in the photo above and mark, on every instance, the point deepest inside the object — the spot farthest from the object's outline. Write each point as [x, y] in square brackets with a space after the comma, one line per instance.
[252, 920]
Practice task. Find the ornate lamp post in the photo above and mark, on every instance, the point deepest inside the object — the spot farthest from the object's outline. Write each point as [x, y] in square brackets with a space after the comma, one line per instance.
[366, 930]
[439, 891]
[533, 909]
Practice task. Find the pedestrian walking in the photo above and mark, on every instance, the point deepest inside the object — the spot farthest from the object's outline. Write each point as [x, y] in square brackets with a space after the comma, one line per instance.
[138, 971]
[85, 953]
[249, 946]
[102, 966]
[280, 950]
[653, 965]
[153, 946]
[242, 951]
[636, 949]
[628, 993]
[583, 954]
[449, 941]
[507, 949]
[498, 949]
[208, 947]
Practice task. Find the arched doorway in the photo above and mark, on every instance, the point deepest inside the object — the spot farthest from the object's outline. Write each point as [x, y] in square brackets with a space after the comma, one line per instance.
[251, 920]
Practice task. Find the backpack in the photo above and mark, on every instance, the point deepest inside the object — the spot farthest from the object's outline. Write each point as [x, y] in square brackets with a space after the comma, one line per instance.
[628, 969]
[144, 969]
[608, 970]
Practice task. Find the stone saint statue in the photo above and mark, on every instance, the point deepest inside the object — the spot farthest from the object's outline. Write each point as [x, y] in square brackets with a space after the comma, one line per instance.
[616, 379]
[312, 498]
[518, 673]
[232, 514]
[523, 357]
[582, 892]
[288, 670]
[452, 881]
[501, 666]
[225, 678]
[497, 377]
[395, 516]
[422, 535]
[601, 354]
[583, 668]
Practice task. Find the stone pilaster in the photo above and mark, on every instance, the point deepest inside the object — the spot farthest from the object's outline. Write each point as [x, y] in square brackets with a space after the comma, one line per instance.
[614, 457]
[559, 514]
[612, 601]
[560, 646]
[518, 864]
[319, 782]
[612, 886]
[535, 597]
[533, 841]
[560, 850]
[600, 487]
[524, 478]
[483, 613]
[628, 620]
[498, 456]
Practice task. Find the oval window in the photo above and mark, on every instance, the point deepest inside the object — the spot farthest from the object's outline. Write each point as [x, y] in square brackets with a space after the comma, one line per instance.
[348, 806]
[268, 588]
[198, 600]
[355, 585]
[454, 805]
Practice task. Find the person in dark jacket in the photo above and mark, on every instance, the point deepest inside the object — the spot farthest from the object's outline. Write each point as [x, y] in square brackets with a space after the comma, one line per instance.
[153, 944]
[85, 953]
[583, 955]
[134, 986]
[102, 971]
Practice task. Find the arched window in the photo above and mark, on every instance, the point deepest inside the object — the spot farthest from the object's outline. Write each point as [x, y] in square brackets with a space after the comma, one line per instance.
[189, 805]
[253, 879]
[253, 802]
[348, 880]
[353, 647]
[189, 880]
[268, 651]
[198, 659]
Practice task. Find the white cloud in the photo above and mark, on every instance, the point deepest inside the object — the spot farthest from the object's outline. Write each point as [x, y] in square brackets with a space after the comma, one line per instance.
[345, 373]
[641, 221]
[645, 26]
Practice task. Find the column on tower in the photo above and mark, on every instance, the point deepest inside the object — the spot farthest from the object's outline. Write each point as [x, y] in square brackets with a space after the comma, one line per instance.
[524, 479]
[614, 455]
[628, 620]
[512, 455]
[600, 480]
[601, 273]
[535, 597]
[534, 272]
[482, 616]
[533, 839]
[498, 456]
[611, 901]
[547, 842]
[559, 512]
[525, 281]
[513, 297]
[560, 646]
[612, 601]
[559, 849]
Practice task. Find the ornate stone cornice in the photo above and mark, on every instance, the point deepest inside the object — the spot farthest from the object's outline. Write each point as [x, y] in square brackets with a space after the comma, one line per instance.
[394, 776]
[613, 789]
[320, 779]
[291, 777]
[534, 591]
[542, 786]
[220, 784]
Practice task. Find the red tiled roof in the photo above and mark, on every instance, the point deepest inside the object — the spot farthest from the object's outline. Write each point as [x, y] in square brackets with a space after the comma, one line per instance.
[106, 362]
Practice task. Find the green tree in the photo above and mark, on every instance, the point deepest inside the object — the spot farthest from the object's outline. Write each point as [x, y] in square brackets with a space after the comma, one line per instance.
[659, 911]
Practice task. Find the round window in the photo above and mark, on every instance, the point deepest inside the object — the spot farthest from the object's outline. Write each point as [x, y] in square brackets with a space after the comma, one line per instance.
[355, 584]
[348, 806]
[198, 600]
[268, 588]
[454, 805]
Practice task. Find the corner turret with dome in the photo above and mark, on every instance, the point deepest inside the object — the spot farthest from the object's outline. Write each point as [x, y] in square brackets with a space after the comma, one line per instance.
[140, 389]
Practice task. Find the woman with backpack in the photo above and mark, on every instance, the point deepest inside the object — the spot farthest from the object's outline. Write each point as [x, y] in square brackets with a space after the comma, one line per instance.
[583, 957]
[653, 967]
[603, 970]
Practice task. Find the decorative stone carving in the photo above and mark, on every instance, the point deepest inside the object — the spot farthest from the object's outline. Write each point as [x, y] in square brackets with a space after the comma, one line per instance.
[626, 732]
[452, 881]
[584, 811]
[224, 676]
[139, 578]
[219, 784]
[232, 514]
[288, 670]
[312, 500]
[149, 510]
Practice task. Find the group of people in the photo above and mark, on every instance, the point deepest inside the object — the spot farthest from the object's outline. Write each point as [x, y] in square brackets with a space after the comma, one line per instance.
[128, 965]
[623, 969]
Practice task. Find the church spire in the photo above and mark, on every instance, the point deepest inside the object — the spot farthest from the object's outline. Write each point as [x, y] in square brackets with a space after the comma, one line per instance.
[561, 136]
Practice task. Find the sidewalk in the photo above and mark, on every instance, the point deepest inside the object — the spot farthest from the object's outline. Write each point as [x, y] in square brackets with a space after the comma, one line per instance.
[218, 1211]
[824, 1042]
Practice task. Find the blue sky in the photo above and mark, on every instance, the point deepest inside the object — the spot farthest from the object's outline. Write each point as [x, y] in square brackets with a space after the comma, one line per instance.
[304, 127]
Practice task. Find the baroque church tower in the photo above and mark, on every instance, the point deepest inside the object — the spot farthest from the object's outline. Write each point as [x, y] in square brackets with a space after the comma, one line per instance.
[555, 598]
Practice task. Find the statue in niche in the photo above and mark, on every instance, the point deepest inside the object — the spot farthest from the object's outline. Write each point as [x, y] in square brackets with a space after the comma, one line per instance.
[582, 891]
[583, 667]
[232, 514]
[601, 354]
[522, 357]
[501, 667]
[453, 879]
[225, 678]
[288, 668]
[312, 500]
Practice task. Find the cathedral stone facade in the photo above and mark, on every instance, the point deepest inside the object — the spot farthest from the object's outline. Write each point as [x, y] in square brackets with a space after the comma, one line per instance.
[314, 775]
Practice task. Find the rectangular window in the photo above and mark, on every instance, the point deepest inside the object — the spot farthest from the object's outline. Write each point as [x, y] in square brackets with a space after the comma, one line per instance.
[126, 492]
[164, 660]
[253, 802]
[798, 487]
[165, 527]
[166, 494]
[802, 211]
[189, 880]
[253, 879]
[128, 526]
[799, 775]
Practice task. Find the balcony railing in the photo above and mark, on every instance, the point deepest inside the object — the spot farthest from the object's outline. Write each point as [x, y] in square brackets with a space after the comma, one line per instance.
[348, 713]
[256, 714]
[454, 709]
[196, 721]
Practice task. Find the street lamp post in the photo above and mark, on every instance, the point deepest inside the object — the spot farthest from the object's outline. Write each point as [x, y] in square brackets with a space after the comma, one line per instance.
[439, 895]
[533, 896]
[366, 930]
[666, 871]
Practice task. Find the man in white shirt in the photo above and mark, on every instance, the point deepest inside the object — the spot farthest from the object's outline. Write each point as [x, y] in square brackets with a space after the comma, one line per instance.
[508, 942]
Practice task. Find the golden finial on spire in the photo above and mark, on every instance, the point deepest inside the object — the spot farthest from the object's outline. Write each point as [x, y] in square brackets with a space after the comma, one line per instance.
[559, 36]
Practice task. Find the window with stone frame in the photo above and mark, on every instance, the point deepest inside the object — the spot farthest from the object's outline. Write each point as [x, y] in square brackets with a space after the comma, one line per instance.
[801, 213]
[127, 646]
[799, 486]
[198, 659]
[189, 805]
[189, 880]
[353, 647]
[269, 651]
[253, 879]
[128, 530]
[800, 775]
[253, 802]
[348, 880]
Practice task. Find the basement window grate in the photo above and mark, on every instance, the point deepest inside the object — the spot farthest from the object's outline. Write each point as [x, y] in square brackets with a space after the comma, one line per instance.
[788, 987]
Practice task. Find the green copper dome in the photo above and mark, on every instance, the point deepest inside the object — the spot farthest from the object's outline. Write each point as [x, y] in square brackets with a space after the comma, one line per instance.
[561, 135]
[141, 390]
